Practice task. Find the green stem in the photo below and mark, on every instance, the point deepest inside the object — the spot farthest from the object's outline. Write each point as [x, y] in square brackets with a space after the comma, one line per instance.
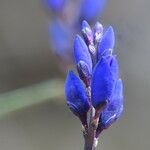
[24, 97]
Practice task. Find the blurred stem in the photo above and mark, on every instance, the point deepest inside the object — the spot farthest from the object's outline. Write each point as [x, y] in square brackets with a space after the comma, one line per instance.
[24, 97]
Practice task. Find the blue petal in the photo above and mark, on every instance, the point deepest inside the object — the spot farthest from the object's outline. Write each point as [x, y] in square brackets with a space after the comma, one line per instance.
[90, 9]
[107, 42]
[76, 96]
[55, 5]
[59, 37]
[107, 52]
[81, 52]
[113, 63]
[113, 111]
[102, 84]
[114, 67]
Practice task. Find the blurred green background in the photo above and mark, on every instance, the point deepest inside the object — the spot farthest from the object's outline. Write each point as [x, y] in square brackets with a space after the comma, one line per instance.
[33, 113]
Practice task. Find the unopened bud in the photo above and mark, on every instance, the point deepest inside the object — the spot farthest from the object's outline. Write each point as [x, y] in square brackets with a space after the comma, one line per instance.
[98, 32]
[84, 72]
[88, 35]
[92, 49]
[87, 32]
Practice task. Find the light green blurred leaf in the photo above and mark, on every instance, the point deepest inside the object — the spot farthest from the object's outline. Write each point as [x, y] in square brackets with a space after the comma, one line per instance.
[24, 97]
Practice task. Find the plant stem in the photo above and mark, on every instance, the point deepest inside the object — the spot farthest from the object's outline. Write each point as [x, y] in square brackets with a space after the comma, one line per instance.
[90, 143]
[89, 135]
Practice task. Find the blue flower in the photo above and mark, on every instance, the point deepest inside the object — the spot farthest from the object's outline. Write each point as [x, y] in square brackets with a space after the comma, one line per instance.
[77, 99]
[81, 52]
[103, 81]
[113, 111]
[104, 89]
[61, 33]
[90, 9]
[55, 5]
[59, 36]
[107, 42]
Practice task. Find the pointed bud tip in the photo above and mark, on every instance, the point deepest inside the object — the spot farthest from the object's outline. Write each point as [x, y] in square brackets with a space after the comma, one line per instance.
[98, 25]
[79, 41]
[81, 52]
[85, 24]
[77, 37]
[110, 30]
[70, 72]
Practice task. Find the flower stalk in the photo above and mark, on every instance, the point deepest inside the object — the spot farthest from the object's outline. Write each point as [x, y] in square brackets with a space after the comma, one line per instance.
[89, 133]
[96, 96]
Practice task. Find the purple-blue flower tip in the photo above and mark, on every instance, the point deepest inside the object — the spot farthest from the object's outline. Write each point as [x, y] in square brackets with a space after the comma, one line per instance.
[59, 36]
[87, 32]
[54, 5]
[90, 9]
[98, 31]
[85, 24]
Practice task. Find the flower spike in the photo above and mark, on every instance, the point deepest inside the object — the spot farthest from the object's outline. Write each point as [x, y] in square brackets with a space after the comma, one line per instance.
[100, 104]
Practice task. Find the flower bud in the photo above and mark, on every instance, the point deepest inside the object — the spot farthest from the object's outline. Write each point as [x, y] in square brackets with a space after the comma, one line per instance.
[84, 72]
[107, 42]
[103, 81]
[98, 32]
[76, 96]
[81, 52]
[87, 32]
[113, 111]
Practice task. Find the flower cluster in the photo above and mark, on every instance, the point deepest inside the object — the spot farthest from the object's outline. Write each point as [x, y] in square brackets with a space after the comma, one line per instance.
[96, 96]
[67, 15]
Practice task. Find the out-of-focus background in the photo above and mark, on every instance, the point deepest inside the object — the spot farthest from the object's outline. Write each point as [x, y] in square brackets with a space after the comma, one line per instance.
[33, 113]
